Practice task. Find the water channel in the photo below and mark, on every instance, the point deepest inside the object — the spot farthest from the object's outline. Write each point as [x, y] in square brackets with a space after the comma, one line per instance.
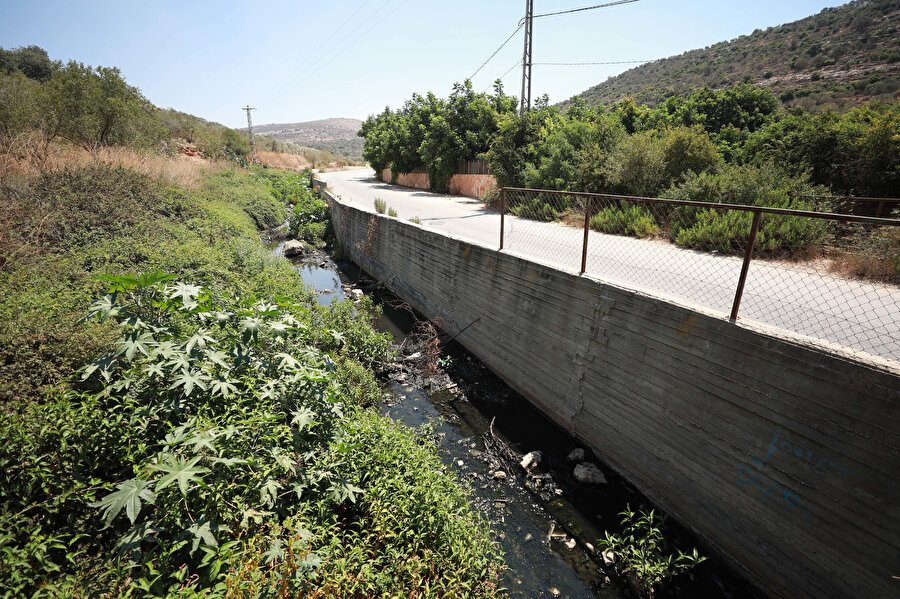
[547, 523]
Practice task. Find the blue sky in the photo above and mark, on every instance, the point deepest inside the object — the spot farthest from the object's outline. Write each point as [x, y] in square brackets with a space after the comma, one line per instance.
[299, 61]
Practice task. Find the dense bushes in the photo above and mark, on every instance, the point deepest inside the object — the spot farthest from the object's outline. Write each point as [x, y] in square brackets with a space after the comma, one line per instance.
[216, 443]
[198, 434]
[434, 132]
[718, 146]
[728, 231]
[309, 219]
[65, 227]
[634, 220]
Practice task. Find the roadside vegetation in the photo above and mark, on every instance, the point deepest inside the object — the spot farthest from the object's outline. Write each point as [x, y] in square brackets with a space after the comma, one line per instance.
[735, 145]
[181, 417]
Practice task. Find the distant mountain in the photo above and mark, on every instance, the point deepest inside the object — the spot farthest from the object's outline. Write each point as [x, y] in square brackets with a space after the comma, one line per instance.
[850, 53]
[337, 136]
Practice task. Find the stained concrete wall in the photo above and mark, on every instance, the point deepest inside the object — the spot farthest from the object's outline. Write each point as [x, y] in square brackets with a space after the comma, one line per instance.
[472, 186]
[782, 458]
[414, 180]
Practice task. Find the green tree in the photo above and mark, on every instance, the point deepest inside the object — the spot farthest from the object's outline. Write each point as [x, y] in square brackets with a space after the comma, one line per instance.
[31, 61]
[96, 108]
[27, 123]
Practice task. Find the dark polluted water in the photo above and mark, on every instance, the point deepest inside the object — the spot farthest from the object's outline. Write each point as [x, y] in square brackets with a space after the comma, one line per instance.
[547, 523]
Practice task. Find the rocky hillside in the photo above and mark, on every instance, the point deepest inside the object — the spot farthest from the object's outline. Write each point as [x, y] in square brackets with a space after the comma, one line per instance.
[850, 53]
[337, 136]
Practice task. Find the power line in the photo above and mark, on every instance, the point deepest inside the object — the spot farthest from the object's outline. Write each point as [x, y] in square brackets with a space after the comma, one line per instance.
[472, 76]
[309, 56]
[338, 50]
[359, 38]
[505, 73]
[527, 56]
[584, 64]
[571, 10]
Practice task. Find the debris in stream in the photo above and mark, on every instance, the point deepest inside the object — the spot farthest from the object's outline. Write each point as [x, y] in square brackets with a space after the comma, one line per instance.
[531, 459]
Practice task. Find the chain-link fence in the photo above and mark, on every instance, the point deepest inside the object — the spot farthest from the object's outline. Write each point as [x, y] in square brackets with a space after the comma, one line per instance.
[834, 278]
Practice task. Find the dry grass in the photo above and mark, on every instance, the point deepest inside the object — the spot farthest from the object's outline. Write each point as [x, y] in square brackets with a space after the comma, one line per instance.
[869, 268]
[872, 255]
[282, 160]
[186, 171]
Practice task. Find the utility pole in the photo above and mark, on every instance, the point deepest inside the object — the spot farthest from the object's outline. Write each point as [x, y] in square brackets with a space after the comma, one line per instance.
[250, 129]
[525, 98]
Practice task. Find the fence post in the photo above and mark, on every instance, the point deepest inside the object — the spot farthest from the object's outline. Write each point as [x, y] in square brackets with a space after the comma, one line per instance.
[587, 223]
[502, 211]
[746, 266]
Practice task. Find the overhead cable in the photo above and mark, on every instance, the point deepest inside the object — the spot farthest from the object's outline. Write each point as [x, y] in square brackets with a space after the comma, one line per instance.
[584, 64]
[515, 64]
[341, 50]
[472, 76]
[583, 8]
[311, 55]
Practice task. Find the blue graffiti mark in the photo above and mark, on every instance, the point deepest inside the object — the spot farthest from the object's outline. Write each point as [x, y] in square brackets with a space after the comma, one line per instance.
[821, 465]
[753, 475]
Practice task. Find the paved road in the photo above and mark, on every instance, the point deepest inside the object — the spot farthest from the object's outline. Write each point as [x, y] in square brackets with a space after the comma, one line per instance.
[804, 299]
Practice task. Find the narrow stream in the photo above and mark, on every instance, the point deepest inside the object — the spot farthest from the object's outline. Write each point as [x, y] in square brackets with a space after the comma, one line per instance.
[547, 523]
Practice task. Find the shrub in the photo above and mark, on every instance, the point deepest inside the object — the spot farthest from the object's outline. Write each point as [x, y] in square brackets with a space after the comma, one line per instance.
[634, 220]
[310, 218]
[380, 206]
[537, 207]
[728, 231]
[242, 189]
[219, 446]
[642, 548]
[638, 165]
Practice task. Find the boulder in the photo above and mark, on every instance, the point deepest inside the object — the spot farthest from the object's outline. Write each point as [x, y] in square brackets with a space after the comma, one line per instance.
[293, 248]
[589, 473]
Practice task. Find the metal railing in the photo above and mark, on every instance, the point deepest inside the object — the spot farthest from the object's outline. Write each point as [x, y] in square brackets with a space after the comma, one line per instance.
[832, 277]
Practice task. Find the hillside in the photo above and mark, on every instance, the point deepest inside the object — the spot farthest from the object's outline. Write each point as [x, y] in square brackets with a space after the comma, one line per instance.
[850, 53]
[337, 136]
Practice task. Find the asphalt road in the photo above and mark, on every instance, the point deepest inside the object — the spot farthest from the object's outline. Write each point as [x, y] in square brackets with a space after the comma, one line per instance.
[805, 299]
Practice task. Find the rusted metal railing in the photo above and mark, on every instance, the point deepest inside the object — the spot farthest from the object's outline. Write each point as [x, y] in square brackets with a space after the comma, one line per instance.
[850, 239]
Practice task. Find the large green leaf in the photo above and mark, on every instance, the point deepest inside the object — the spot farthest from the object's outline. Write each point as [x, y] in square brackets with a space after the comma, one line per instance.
[222, 387]
[187, 293]
[181, 471]
[268, 493]
[104, 308]
[250, 328]
[188, 379]
[302, 417]
[202, 530]
[129, 496]
[133, 342]
[198, 339]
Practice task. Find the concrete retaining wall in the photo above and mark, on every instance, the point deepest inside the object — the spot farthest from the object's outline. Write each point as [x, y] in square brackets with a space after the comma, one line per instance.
[780, 457]
[472, 186]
